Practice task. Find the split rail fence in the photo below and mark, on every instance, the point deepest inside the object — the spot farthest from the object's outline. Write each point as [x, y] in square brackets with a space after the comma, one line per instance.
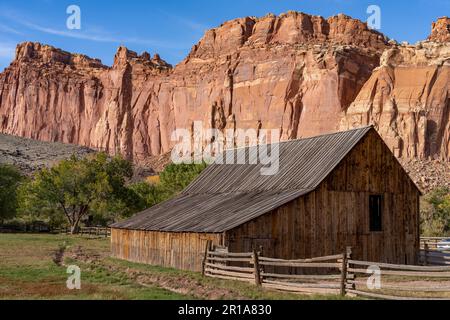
[337, 274]
[430, 254]
[399, 282]
[91, 232]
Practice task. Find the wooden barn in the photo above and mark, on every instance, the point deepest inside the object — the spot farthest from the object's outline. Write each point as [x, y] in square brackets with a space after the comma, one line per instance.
[331, 191]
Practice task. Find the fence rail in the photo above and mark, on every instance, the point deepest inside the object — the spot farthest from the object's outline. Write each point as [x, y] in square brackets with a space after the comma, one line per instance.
[253, 268]
[431, 254]
[345, 276]
[92, 232]
[400, 282]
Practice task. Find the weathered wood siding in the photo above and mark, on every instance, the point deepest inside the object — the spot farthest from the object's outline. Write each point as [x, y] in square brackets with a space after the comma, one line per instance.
[183, 251]
[336, 215]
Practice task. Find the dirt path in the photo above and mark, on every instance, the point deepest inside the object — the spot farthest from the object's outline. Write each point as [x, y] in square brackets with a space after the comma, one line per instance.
[172, 282]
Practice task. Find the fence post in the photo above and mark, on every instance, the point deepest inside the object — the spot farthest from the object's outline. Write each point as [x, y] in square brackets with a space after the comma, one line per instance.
[261, 269]
[345, 258]
[256, 267]
[426, 254]
[205, 258]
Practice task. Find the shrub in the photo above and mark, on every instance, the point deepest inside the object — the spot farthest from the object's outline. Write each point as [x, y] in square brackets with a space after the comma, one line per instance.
[435, 213]
[10, 179]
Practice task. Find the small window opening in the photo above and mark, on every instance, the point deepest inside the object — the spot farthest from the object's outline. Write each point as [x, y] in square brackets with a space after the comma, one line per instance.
[376, 213]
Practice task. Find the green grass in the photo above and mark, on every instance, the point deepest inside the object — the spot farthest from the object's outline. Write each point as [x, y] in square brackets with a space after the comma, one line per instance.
[27, 271]
[246, 291]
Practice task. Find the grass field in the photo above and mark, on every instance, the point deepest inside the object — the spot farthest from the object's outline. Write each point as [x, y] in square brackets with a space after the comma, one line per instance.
[29, 270]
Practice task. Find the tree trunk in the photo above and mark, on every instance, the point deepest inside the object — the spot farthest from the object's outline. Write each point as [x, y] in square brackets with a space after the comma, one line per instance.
[74, 229]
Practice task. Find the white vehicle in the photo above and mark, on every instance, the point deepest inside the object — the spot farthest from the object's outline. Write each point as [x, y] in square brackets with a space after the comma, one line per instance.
[444, 244]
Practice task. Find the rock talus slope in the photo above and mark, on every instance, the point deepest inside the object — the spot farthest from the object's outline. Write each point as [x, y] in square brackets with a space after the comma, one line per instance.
[302, 74]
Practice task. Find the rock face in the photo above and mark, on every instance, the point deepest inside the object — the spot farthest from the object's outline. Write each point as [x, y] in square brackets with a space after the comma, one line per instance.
[50, 95]
[408, 100]
[441, 30]
[293, 72]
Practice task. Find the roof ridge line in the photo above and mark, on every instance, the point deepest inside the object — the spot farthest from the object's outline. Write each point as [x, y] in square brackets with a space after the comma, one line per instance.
[248, 192]
[303, 139]
[330, 134]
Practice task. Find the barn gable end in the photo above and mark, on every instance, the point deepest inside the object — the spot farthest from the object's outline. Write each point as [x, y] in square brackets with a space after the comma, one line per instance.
[336, 214]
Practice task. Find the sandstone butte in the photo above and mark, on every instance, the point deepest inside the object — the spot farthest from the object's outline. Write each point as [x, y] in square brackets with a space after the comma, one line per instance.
[302, 74]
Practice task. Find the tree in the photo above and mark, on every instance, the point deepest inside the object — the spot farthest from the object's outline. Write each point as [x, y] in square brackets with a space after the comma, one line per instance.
[78, 187]
[177, 177]
[149, 195]
[10, 178]
[173, 180]
[435, 213]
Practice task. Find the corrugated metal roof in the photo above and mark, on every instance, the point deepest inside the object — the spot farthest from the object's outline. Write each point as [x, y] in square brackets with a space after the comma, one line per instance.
[304, 164]
[226, 196]
[209, 213]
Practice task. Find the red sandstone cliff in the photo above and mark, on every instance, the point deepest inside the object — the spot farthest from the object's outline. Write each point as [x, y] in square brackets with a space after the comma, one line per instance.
[440, 30]
[408, 97]
[295, 72]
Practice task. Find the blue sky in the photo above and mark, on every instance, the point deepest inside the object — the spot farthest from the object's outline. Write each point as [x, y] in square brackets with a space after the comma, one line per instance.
[171, 27]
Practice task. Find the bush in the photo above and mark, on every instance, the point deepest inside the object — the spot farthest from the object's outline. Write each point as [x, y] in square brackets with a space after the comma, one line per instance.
[10, 179]
[149, 194]
[174, 179]
[435, 213]
[177, 177]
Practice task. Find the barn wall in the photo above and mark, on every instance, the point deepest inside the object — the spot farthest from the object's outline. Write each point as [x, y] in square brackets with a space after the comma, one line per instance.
[183, 251]
[336, 215]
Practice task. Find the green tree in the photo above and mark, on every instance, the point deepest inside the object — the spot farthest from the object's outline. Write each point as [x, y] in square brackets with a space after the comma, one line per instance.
[77, 188]
[177, 177]
[10, 178]
[148, 195]
[173, 180]
[435, 213]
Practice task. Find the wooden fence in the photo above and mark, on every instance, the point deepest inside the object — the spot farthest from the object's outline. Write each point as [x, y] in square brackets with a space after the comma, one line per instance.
[431, 255]
[301, 276]
[343, 275]
[91, 232]
[399, 282]
[432, 242]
